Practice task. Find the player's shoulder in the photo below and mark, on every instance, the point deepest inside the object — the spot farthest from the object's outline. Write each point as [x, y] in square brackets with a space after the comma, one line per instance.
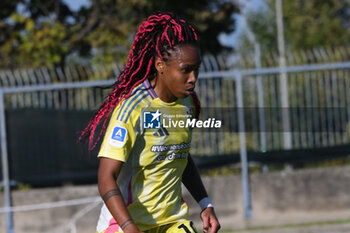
[131, 106]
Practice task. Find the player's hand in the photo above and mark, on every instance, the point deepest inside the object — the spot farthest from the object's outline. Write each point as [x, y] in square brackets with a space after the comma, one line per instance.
[210, 221]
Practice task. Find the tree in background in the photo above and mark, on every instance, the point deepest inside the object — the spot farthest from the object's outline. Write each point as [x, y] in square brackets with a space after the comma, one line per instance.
[38, 34]
[211, 17]
[316, 23]
[46, 32]
[307, 23]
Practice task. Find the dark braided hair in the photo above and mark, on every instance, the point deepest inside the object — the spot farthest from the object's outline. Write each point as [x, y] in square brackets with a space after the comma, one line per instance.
[155, 36]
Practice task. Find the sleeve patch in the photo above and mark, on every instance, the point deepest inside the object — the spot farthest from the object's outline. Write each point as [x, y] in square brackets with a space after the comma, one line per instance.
[118, 136]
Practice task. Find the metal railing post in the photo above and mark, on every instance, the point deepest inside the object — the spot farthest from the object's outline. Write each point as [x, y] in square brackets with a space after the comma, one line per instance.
[5, 167]
[243, 147]
[260, 89]
[287, 137]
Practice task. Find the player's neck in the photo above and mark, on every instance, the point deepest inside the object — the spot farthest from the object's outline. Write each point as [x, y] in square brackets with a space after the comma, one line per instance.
[162, 91]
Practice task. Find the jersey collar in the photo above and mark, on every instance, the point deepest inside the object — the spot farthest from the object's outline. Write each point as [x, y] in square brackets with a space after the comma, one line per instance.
[150, 89]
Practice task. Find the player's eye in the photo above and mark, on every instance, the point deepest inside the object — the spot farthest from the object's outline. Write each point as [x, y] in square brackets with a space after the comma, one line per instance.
[187, 70]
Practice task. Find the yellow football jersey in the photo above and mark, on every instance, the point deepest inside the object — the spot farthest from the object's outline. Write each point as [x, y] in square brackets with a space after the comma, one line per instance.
[147, 134]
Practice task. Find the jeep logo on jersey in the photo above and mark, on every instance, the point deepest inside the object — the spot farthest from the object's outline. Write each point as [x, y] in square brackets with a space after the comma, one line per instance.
[152, 120]
[118, 136]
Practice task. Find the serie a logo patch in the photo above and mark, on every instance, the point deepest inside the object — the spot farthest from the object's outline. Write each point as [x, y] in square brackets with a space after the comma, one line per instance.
[118, 136]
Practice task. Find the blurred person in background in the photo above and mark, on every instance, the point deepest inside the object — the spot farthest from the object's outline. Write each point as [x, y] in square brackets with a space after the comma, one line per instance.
[141, 169]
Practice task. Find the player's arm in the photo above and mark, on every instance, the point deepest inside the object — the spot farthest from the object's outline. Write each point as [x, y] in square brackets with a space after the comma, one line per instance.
[193, 182]
[108, 172]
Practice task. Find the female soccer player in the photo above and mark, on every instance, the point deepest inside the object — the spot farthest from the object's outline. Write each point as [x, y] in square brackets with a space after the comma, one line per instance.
[143, 163]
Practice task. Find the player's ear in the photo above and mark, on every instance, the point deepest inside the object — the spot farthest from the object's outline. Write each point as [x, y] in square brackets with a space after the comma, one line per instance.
[159, 64]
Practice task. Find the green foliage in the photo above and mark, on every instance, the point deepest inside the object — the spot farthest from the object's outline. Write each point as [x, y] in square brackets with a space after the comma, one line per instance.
[36, 36]
[46, 32]
[24, 187]
[211, 17]
[307, 23]
[263, 25]
[38, 45]
[315, 23]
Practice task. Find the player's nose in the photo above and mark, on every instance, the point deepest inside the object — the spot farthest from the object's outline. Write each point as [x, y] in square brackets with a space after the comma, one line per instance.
[193, 77]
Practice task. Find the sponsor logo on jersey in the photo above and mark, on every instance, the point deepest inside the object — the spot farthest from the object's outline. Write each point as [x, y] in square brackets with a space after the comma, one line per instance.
[172, 156]
[161, 132]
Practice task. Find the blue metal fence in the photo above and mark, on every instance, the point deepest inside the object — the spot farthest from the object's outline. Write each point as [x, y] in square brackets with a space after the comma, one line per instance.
[318, 96]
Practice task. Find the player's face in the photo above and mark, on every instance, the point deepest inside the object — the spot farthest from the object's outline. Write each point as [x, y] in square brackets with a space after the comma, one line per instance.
[180, 72]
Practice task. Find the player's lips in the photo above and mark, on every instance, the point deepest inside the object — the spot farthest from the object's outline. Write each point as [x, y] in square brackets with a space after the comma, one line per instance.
[190, 91]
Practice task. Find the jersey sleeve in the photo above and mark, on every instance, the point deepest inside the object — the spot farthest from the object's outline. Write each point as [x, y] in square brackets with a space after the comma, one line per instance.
[119, 138]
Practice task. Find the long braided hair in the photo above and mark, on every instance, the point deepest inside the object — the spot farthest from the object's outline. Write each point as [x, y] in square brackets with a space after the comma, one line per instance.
[155, 36]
